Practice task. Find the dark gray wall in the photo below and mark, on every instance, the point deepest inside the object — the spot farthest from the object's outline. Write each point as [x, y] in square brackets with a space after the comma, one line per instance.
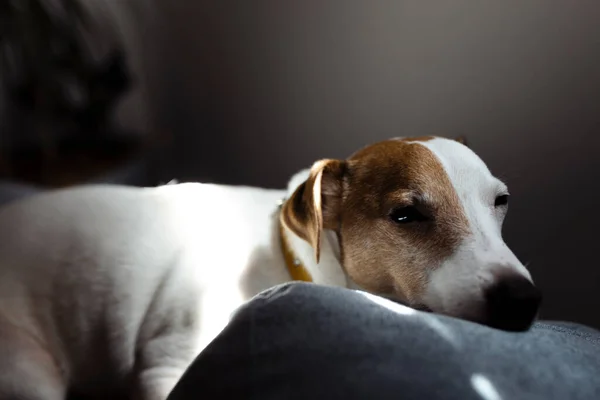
[256, 90]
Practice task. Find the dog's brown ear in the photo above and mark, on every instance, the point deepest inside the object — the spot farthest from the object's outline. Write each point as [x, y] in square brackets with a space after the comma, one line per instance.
[316, 203]
[462, 140]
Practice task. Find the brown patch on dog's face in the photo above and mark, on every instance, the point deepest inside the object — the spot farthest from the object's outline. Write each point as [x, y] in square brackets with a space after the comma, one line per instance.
[380, 254]
[365, 201]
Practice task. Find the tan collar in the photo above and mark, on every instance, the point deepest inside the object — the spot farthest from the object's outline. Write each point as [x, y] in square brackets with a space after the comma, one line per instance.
[294, 265]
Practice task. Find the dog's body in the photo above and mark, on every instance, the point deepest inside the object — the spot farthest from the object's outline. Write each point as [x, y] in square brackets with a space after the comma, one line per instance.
[105, 280]
[111, 291]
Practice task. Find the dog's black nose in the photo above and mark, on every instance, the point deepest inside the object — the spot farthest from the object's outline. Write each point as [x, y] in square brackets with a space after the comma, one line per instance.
[512, 303]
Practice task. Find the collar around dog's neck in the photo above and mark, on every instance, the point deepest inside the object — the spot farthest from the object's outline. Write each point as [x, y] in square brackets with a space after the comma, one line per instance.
[294, 265]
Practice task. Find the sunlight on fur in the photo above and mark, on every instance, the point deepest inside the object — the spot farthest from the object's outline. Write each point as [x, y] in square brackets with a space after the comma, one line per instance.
[221, 299]
[484, 387]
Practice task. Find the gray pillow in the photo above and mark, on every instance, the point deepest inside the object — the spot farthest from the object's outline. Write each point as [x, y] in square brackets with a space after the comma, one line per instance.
[303, 341]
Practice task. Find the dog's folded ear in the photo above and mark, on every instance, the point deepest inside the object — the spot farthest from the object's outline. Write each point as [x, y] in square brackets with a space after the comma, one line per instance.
[462, 140]
[315, 204]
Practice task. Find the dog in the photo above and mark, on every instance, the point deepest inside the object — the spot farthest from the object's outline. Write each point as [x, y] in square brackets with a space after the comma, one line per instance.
[111, 292]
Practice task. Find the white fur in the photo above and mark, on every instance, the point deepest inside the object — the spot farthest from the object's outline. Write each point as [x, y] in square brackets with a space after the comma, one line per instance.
[463, 277]
[107, 279]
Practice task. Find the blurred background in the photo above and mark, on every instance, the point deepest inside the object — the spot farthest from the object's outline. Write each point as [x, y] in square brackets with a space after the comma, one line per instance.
[143, 91]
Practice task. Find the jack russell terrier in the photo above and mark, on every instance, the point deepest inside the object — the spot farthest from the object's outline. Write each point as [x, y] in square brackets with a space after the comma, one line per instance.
[111, 292]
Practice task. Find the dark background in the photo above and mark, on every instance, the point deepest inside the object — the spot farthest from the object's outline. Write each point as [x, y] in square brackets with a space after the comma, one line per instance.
[251, 91]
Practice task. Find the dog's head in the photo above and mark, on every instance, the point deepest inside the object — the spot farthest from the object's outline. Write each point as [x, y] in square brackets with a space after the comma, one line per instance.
[419, 221]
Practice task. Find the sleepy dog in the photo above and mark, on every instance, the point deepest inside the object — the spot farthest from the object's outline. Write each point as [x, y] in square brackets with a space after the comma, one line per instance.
[111, 292]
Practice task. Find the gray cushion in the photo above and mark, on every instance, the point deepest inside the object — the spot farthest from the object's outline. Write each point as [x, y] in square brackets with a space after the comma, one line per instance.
[303, 341]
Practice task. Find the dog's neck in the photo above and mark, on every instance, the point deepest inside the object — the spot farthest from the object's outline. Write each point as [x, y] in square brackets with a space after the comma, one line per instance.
[300, 253]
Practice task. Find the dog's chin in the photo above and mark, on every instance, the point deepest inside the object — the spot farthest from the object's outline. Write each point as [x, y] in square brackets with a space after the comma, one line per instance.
[510, 326]
[416, 306]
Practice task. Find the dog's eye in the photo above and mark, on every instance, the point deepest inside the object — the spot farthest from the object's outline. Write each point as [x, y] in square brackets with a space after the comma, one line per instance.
[405, 215]
[501, 200]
